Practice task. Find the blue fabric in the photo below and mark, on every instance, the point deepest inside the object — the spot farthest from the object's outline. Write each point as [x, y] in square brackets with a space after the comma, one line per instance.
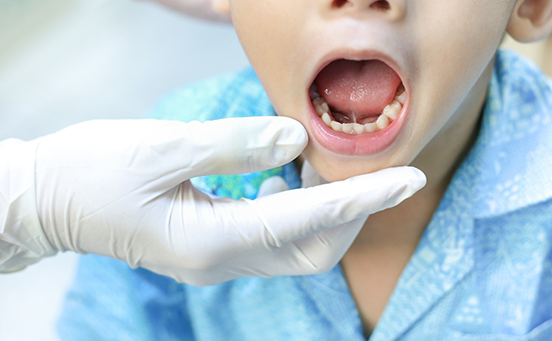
[482, 270]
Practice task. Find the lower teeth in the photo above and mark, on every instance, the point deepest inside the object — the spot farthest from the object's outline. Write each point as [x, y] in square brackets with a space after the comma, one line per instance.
[389, 114]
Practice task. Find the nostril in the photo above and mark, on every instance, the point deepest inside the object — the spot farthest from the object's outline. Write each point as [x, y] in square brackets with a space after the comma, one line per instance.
[339, 3]
[381, 5]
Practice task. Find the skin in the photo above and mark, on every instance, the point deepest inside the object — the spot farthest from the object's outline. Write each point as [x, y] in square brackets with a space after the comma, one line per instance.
[444, 53]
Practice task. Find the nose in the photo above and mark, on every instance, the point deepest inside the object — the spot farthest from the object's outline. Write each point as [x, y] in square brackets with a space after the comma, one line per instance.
[390, 9]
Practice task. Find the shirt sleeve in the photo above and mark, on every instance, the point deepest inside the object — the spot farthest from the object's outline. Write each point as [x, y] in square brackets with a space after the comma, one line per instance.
[22, 241]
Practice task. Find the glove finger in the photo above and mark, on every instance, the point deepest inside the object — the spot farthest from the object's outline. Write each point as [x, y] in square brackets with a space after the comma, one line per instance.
[310, 210]
[227, 146]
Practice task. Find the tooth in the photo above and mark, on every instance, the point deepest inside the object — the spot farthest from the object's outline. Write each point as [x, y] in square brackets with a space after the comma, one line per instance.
[392, 109]
[370, 127]
[382, 122]
[319, 110]
[359, 128]
[401, 98]
[317, 101]
[347, 128]
[320, 105]
[327, 119]
[336, 126]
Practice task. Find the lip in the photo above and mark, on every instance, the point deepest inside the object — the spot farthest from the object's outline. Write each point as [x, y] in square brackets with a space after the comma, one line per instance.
[366, 143]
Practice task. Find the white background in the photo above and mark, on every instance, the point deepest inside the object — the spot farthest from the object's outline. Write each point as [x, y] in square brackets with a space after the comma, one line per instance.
[67, 61]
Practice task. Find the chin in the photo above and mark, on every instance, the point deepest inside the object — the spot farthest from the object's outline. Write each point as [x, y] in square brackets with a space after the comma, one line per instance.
[334, 167]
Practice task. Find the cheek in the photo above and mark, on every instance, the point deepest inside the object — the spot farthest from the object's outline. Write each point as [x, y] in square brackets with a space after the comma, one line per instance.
[273, 35]
[255, 26]
[265, 30]
[454, 50]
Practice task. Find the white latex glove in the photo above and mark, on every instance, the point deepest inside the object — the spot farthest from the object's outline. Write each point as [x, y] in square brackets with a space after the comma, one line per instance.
[120, 189]
[326, 247]
[214, 10]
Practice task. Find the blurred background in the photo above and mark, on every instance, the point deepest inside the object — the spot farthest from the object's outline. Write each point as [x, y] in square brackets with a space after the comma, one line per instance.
[540, 52]
[67, 61]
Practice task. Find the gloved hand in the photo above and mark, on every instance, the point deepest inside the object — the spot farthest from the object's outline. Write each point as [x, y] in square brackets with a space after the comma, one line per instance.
[327, 247]
[214, 10]
[120, 189]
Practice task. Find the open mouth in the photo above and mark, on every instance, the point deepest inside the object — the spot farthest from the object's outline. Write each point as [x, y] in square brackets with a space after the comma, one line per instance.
[359, 105]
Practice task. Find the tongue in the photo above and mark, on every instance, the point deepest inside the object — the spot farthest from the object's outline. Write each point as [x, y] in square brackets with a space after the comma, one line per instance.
[358, 88]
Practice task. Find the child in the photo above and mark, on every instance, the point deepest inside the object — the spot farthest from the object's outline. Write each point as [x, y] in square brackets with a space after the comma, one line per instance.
[376, 84]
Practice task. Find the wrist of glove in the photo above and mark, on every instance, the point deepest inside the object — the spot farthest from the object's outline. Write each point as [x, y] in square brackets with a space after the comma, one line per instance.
[22, 241]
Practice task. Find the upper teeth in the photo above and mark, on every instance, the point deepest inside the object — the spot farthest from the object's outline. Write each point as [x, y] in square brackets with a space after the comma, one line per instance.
[389, 114]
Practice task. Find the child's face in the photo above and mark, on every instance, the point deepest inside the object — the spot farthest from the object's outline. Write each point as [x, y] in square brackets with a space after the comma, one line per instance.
[438, 50]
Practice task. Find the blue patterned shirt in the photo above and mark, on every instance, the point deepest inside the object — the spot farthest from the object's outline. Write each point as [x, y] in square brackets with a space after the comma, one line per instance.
[482, 270]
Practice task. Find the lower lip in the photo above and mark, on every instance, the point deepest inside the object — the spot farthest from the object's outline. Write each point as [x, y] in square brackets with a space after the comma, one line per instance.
[362, 144]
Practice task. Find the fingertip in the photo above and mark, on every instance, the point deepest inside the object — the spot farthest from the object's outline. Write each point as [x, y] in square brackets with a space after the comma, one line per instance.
[418, 178]
[243, 145]
[295, 130]
[290, 141]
